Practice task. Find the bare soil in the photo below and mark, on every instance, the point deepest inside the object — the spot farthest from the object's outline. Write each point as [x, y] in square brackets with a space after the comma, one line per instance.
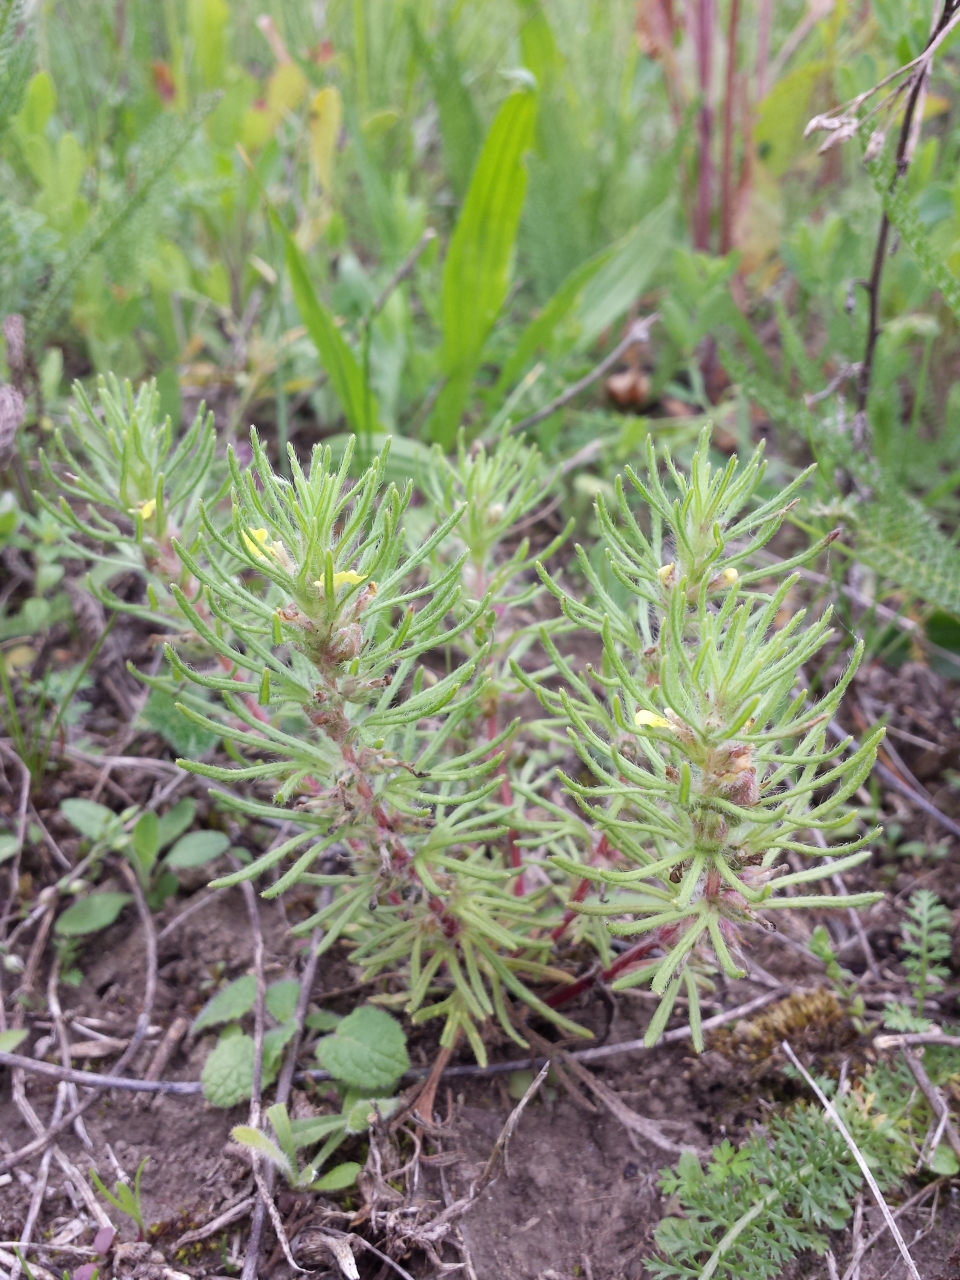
[578, 1195]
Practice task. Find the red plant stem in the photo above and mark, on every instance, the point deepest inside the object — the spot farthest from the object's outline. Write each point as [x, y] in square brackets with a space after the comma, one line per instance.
[602, 848]
[506, 797]
[705, 23]
[581, 892]
[726, 176]
[623, 961]
[764, 16]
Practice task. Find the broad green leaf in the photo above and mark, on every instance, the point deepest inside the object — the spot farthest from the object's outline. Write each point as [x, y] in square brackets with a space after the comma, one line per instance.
[8, 847]
[198, 847]
[9, 516]
[282, 999]
[339, 1178]
[476, 274]
[206, 20]
[227, 1075]
[782, 117]
[91, 914]
[229, 1004]
[40, 102]
[323, 1020]
[944, 1162]
[273, 1046]
[346, 376]
[367, 1051]
[175, 821]
[10, 1039]
[625, 274]
[146, 842]
[90, 819]
[460, 129]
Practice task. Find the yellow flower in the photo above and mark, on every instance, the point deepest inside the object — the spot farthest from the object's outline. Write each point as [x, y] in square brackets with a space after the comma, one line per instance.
[730, 576]
[347, 578]
[146, 509]
[666, 573]
[252, 538]
[257, 539]
[650, 719]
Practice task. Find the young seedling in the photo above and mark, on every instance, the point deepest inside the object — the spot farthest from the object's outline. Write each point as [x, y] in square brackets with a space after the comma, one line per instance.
[124, 1199]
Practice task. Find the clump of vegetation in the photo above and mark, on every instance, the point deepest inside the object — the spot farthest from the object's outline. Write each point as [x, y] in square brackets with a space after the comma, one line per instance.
[495, 716]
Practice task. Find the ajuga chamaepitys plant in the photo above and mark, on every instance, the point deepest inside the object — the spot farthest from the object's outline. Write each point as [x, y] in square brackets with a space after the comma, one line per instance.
[134, 489]
[324, 619]
[708, 762]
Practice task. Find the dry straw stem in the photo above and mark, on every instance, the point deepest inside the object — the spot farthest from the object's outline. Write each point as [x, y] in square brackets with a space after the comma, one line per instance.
[186, 1087]
[864, 1246]
[855, 1152]
[638, 332]
[937, 1105]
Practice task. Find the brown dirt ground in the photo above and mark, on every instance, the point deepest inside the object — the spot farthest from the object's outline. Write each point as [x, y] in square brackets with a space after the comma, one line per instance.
[578, 1197]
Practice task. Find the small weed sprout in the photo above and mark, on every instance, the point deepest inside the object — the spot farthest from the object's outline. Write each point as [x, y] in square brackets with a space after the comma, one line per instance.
[124, 1199]
[926, 944]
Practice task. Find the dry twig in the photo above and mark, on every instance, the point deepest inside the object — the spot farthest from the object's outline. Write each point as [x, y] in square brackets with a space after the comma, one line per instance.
[856, 1153]
[638, 332]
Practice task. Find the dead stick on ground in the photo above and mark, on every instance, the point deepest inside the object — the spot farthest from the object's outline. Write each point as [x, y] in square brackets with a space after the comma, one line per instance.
[865, 1245]
[40, 1186]
[917, 1037]
[143, 1025]
[63, 1040]
[639, 331]
[193, 1087]
[855, 1152]
[225, 1219]
[252, 1258]
[933, 1097]
[8, 753]
[438, 1228]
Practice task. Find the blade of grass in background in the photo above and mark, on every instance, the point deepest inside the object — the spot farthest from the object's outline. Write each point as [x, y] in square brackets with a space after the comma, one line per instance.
[476, 274]
[343, 369]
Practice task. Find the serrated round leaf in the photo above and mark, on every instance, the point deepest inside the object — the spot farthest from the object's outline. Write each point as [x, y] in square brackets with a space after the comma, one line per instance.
[91, 914]
[367, 1051]
[227, 1075]
[198, 847]
[227, 1005]
[323, 1020]
[90, 819]
[339, 1178]
[282, 999]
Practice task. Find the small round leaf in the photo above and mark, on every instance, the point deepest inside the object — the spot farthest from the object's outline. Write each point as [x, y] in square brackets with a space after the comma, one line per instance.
[91, 914]
[367, 1051]
[195, 849]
